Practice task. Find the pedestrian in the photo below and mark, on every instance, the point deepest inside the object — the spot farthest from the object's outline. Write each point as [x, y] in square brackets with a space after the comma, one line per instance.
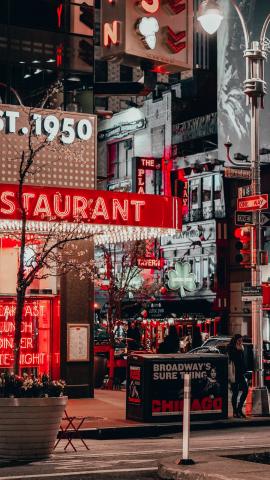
[237, 378]
[133, 337]
[196, 337]
[171, 342]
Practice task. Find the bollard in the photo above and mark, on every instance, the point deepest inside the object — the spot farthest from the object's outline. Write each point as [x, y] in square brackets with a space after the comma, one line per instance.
[185, 460]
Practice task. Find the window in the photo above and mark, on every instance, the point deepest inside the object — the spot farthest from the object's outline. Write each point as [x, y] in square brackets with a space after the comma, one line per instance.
[119, 159]
[126, 73]
[101, 71]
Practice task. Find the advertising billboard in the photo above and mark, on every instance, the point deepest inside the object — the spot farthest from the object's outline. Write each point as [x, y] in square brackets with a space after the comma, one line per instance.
[233, 113]
[155, 386]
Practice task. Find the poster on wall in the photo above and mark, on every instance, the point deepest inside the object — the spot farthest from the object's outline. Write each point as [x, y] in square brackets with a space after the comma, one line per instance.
[78, 338]
[135, 386]
[233, 114]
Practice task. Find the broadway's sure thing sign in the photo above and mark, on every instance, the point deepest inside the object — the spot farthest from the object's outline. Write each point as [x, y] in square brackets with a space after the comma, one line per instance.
[155, 386]
[91, 207]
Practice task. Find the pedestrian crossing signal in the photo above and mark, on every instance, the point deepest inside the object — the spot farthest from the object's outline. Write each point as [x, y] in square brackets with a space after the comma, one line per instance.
[243, 246]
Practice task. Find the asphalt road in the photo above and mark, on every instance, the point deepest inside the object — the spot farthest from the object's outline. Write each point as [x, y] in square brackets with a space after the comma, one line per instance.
[132, 458]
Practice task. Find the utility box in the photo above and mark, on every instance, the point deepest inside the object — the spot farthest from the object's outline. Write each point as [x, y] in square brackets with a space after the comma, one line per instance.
[155, 386]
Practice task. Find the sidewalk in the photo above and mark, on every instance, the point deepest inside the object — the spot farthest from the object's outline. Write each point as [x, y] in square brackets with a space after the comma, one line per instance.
[107, 412]
[214, 466]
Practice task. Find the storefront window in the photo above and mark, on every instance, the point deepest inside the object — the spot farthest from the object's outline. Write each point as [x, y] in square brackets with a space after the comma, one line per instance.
[219, 201]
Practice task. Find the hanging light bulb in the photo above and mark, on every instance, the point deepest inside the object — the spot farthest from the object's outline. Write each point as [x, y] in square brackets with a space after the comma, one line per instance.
[210, 16]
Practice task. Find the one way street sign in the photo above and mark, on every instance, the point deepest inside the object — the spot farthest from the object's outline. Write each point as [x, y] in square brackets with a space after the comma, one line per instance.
[253, 203]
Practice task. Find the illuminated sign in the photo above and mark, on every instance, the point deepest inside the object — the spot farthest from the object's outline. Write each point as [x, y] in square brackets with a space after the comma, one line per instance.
[91, 206]
[49, 125]
[155, 263]
[35, 330]
[140, 166]
[159, 31]
[67, 160]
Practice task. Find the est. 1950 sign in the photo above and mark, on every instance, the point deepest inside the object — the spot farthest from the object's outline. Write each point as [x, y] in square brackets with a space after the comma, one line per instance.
[48, 125]
[69, 159]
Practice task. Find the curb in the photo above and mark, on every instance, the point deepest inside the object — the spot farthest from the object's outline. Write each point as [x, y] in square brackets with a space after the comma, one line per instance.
[214, 466]
[156, 430]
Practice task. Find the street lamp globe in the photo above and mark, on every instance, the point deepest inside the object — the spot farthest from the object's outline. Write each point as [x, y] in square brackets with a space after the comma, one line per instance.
[210, 16]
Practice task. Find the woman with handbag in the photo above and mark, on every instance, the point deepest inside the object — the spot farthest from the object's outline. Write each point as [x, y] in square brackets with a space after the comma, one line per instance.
[236, 375]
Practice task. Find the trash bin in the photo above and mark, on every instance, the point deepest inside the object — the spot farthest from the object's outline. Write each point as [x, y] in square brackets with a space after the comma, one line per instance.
[100, 369]
[155, 386]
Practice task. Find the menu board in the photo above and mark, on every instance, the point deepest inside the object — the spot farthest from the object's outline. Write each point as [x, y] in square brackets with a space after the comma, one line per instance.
[78, 342]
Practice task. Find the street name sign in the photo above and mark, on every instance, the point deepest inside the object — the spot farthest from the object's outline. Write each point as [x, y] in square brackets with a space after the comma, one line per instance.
[243, 218]
[252, 203]
[251, 293]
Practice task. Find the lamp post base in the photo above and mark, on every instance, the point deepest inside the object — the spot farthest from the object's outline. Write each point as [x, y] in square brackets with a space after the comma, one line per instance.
[258, 402]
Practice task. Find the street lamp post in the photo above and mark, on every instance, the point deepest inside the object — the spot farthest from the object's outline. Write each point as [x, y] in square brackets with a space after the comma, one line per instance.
[210, 17]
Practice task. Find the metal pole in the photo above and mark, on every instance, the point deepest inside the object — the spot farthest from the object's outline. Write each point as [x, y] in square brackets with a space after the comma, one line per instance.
[186, 422]
[255, 90]
[256, 279]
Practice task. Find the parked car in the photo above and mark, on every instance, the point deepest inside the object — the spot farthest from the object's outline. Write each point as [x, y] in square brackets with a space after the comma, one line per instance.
[219, 344]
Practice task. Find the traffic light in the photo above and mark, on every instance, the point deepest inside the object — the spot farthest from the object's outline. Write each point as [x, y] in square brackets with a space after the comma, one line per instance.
[243, 246]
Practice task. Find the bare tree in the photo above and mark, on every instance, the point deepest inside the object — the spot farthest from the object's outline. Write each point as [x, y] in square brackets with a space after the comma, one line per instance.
[52, 252]
[123, 279]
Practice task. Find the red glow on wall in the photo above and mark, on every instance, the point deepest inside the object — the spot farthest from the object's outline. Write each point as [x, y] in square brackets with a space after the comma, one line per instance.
[167, 164]
[59, 55]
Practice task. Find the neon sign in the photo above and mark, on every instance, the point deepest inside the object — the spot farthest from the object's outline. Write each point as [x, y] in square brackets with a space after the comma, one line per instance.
[35, 331]
[141, 165]
[155, 263]
[91, 206]
[151, 29]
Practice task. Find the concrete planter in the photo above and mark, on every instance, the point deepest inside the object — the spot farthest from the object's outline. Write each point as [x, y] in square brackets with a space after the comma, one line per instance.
[29, 426]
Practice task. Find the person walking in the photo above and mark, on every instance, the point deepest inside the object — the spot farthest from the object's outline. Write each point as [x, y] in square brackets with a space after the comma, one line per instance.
[171, 342]
[237, 379]
[133, 336]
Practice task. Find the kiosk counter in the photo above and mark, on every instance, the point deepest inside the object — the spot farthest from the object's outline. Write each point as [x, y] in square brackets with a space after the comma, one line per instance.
[155, 386]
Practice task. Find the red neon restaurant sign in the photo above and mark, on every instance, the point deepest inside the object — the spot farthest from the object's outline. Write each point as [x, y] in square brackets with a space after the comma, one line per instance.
[92, 207]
